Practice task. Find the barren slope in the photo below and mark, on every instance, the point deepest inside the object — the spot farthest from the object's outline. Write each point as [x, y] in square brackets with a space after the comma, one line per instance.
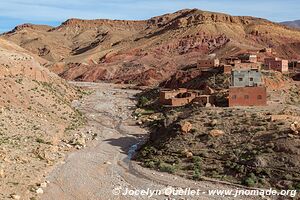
[35, 111]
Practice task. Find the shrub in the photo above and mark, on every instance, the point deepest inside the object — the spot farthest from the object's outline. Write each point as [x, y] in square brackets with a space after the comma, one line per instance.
[297, 186]
[251, 180]
[143, 101]
[197, 174]
[197, 159]
[150, 164]
[164, 167]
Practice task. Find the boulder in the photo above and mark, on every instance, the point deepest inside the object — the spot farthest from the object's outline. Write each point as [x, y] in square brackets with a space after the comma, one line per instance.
[216, 133]
[185, 127]
[208, 105]
[295, 127]
[189, 154]
[214, 122]
[39, 191]
[15, 196]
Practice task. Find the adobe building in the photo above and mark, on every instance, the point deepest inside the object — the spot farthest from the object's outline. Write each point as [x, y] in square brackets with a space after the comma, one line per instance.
[268, 50]
[246, 78]
[168, 94]
[182, 97]
[247, 96]
[211, 63]
[232, 60]
[249, 65]
[248, 58]
[178, 97]
[247, 89]
[227, 69]
[276, 64]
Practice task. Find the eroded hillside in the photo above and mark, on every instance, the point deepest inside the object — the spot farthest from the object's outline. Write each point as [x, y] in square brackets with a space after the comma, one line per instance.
[147, 52]
[35, 112]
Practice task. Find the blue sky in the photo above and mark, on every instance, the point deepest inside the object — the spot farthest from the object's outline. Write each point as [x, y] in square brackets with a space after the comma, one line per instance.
[53, 12]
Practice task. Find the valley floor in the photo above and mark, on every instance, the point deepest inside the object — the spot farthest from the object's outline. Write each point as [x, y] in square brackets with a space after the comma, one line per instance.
[103, 167]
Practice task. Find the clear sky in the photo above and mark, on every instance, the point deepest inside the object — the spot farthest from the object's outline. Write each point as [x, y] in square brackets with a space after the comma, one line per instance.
[53, 12]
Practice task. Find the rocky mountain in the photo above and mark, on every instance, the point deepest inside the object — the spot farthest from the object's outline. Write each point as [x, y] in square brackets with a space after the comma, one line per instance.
[149, 51]
[293, 24]
[35, 112]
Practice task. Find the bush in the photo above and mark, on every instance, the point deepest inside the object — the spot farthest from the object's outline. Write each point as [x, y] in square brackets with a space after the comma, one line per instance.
[197, 159]
[143, 101]
[197, 163]
[164, 167]
[150, 164]
[297, 186]
[197, 174]
[251, 180]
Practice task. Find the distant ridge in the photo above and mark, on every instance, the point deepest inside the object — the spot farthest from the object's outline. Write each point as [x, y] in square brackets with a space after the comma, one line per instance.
[149, 51]
[293, 24]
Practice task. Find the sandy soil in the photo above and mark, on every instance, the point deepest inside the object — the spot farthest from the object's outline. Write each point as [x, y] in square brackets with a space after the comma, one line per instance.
[93, 172]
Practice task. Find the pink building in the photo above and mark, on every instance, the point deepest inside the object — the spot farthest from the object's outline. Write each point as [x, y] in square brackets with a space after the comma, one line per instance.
[277, 64]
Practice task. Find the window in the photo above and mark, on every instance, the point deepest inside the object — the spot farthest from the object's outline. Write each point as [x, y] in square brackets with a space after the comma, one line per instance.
[251, 79]
[259, 97]
[240, 79]
[246, 96]
[234, 97]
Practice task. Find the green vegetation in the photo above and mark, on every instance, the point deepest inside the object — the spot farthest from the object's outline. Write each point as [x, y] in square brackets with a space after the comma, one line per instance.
[197, 167]
[142, 102]
[164, 167]
[197, 174]
[251, 180]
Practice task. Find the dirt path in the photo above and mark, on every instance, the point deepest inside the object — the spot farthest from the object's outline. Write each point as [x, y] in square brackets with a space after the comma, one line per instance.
[93, 172]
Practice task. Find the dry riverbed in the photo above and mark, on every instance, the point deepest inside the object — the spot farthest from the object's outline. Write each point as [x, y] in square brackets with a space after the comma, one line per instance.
[103, 165]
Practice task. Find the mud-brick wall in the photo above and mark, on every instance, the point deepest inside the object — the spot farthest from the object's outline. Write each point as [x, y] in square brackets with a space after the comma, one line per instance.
[170, 94]
[247, 96]
[227, 69]
[208, 63]
[181, 101]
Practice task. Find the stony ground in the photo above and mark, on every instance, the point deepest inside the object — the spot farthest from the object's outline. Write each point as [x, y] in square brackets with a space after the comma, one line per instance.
[93, 172]
[254, 146]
